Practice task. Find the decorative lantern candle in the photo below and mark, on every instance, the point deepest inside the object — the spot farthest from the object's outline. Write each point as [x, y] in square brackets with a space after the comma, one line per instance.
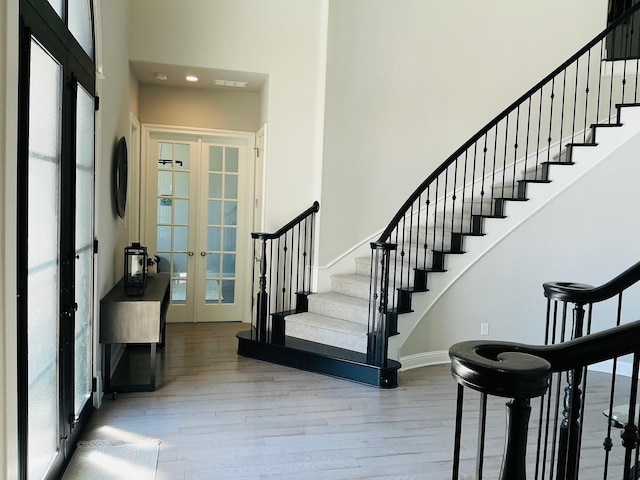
[135, 269]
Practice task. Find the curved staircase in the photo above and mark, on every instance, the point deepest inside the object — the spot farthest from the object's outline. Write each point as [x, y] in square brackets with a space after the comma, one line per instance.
[537, 147]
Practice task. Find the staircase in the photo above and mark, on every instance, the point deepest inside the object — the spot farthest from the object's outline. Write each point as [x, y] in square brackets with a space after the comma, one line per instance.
[537, 147]
[340, 317]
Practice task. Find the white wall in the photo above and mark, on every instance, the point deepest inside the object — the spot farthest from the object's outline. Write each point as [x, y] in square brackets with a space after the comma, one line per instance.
[409, 82]
[585, 235]
[8, 195]
[199, 108]
[116, 94]
[280, 38]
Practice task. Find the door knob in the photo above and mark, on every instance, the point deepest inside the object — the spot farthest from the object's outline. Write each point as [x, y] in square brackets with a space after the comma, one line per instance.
[190, 253]
[203, 254]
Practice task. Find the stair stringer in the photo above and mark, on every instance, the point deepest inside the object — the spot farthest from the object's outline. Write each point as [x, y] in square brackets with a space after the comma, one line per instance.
[497, 230]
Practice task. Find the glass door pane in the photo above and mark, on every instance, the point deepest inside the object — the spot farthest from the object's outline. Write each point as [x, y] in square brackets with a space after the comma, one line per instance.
[222, 225]
[174, 210]
[43, 245]
[84, 250]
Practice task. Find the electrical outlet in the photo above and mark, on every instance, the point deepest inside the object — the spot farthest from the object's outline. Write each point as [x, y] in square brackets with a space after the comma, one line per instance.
[484, 329]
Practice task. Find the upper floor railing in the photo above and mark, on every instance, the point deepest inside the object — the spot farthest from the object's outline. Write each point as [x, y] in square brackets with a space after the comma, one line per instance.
[494, 166]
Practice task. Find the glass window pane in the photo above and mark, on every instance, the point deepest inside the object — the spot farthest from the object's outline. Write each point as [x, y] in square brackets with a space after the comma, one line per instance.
[165, 155]
[213, 239]
[180, 238]
[228, 265]
[84, 249]
[212, 294]
[179, 265]
[215, 185]
[58, 6]
[230, 239]
[164, 210]
[164, 238]
[181, 212]
[215, 159]
[230, 186]
[164, 184]
[228, 291]
[231, 160]
[81, 24]
[230, 213]
[182, 184]
[179, 291]
[182, 156]
[215, 212]
[213, 265]
[43, 242]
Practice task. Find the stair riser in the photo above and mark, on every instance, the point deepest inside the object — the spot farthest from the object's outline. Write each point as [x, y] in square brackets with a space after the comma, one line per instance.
[351, 313]
[407, 273]
[327, 337]
[352, 289]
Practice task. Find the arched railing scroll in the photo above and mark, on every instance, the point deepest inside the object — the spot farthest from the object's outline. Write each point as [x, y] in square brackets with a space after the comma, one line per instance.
[575, 340]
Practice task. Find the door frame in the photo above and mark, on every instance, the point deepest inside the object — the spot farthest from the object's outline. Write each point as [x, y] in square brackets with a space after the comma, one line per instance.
[146, 130]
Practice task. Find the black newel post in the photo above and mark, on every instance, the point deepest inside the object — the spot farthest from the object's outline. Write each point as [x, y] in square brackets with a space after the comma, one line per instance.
[263, 297]
[379, 303]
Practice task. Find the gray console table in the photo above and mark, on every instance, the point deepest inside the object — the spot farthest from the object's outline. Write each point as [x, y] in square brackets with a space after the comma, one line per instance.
[135, 320]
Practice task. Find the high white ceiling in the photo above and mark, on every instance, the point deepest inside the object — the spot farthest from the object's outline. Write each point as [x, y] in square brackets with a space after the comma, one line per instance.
[145, 72]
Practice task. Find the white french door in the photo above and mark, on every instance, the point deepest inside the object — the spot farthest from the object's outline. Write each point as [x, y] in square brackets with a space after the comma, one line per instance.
[197, 220]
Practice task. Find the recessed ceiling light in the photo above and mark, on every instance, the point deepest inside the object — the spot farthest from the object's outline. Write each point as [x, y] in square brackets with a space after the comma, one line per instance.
[230, 83]
[191, 78]
[161, 76]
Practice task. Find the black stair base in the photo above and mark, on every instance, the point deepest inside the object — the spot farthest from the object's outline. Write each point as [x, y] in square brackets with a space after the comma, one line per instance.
[318, 358]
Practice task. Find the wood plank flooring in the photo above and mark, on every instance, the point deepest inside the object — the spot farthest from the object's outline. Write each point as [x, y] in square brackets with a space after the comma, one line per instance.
[221, 416]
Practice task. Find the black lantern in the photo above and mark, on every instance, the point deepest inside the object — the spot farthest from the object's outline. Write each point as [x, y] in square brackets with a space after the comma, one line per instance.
[135, 269]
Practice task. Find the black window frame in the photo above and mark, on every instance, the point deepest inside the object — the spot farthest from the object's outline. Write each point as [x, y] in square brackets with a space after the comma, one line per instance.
[39, 20]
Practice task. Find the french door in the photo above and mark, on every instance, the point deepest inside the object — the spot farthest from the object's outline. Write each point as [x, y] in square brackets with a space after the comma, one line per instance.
[55, 232]
[198, 221]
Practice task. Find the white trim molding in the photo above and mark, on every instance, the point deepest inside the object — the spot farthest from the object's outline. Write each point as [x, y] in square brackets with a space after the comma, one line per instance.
[424, 359]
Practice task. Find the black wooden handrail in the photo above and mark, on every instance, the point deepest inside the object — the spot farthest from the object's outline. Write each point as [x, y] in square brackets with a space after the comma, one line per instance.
[523, 372]
[482, 364]
[386, 235]
[315, 208]
[283, 280]
[581, 294]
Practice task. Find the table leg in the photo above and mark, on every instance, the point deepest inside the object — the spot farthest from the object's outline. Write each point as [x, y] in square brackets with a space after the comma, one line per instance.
[107, 367]
[152, 373]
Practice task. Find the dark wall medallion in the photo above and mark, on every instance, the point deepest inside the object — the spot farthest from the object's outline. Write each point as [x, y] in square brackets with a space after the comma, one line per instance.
[120, 172]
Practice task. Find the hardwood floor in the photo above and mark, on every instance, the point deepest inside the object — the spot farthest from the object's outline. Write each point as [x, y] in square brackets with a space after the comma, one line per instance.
[221, 416]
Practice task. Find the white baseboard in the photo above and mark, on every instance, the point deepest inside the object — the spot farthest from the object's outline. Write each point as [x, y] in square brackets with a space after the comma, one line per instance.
[424, 359]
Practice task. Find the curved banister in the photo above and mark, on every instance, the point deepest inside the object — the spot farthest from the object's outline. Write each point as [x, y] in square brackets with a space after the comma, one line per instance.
[315, 208]
[481, 364]
[384, 237]
[582, 294]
